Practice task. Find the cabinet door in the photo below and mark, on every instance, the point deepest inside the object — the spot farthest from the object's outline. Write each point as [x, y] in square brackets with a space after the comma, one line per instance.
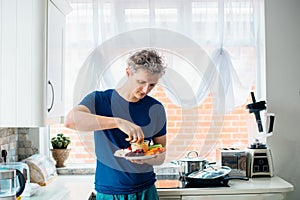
[170, 197]
[277, 196]
[22, 63]
[56, 47]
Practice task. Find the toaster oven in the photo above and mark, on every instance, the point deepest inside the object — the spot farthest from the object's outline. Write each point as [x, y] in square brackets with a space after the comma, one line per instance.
[234, 158]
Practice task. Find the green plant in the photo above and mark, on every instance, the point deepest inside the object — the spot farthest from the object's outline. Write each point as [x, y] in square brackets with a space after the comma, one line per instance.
[60, 141]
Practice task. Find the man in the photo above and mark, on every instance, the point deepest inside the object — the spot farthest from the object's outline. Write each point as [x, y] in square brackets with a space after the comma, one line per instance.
[120, 117]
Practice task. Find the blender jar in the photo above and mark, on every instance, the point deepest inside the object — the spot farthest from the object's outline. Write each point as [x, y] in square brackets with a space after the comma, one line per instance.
[258, 133]
[260, 124]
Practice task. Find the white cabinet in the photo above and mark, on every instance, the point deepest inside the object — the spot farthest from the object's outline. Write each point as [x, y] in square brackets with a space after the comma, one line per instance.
[22, 63]
[24, 57]
[57, 11]
[263, 188]
[237, 197]
[274, 196]
[267, 196]
[170, 197]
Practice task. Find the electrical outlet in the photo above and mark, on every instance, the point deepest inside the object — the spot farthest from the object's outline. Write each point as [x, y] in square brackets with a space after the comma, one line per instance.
[4, 155]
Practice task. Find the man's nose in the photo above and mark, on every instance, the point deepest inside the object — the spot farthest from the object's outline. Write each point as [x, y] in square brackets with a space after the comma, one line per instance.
[146, 88]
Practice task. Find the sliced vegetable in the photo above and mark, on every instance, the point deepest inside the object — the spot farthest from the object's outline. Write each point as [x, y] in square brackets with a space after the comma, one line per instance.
[155, 151]
[154, 146]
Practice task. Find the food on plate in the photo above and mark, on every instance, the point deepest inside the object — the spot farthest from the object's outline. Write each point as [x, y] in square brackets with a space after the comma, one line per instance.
[151, 150]
[140, 146]
[122, 152]
[154, 146]
[155, 149]
[138, 152]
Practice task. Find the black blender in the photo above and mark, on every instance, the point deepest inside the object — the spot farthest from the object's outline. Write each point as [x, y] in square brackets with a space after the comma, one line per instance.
[259, 158]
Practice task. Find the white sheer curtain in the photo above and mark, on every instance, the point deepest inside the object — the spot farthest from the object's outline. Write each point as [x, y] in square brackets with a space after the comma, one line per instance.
[211, 46]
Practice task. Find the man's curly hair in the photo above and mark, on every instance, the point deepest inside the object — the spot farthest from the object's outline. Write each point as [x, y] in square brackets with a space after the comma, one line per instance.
[148, 59]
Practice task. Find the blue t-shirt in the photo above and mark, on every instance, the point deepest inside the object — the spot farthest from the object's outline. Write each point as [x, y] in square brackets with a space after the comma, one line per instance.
[115, 175]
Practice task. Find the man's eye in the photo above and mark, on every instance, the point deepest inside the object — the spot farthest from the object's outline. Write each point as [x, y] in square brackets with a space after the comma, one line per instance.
[152, 85]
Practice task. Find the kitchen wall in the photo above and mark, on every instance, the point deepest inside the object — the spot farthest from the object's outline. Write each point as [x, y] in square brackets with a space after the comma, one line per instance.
[283, 87]
[18, 142]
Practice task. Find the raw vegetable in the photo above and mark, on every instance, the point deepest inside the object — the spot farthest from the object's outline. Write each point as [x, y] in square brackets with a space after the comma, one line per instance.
[155, 150]
[154, 146]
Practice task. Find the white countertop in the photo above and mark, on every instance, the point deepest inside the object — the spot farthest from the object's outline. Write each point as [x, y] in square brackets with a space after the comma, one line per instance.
[79, 187]
[65, 187]
[252, 186]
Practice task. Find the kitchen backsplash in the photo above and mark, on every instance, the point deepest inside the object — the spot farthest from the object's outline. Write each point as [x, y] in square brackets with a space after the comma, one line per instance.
[15, 141]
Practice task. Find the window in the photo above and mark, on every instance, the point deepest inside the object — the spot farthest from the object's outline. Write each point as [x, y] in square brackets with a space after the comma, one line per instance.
[228, 31]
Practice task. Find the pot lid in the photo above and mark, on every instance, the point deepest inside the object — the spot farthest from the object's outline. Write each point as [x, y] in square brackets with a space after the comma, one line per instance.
[211, 172]
[192, 156]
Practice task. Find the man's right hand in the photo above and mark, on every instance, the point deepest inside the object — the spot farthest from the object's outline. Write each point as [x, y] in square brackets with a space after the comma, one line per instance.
[134, 132]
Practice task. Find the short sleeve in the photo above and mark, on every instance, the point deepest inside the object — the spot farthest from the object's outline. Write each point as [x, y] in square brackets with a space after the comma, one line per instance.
[89, 102]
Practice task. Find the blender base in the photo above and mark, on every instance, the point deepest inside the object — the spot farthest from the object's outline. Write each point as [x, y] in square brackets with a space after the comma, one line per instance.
[259, 163]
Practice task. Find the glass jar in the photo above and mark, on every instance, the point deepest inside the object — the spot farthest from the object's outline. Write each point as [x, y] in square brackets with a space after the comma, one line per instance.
[12, 183]
[259, 131]
[7, 184]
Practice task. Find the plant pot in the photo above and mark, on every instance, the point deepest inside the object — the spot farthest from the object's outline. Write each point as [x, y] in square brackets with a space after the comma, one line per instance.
[60, 156]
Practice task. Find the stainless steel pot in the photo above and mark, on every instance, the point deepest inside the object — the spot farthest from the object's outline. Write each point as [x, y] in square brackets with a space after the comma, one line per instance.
[191, 162]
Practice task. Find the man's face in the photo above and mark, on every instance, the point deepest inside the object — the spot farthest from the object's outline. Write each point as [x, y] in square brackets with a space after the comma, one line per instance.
[141, 82]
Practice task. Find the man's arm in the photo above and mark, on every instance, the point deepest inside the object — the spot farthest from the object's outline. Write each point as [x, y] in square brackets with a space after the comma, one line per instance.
[80, 118]
[160, 140]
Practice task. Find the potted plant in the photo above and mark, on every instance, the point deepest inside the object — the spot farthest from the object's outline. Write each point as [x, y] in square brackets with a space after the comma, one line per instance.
[60, 151]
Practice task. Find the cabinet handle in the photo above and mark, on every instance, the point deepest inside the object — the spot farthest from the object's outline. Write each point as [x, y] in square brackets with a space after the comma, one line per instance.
[52, 101]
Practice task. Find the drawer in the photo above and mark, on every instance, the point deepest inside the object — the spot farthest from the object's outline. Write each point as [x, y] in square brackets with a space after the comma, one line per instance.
[170, 198]
[274, 196]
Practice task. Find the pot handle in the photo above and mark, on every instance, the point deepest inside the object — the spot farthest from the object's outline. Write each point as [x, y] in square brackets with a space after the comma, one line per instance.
[236, 177]
[22, 182]
[188, 154]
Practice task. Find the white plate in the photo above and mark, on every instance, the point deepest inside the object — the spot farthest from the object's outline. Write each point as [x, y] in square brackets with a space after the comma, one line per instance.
[139, 157]
[121, 152]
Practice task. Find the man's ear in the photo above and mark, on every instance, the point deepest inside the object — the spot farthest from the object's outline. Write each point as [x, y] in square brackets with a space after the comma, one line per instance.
[127, 71]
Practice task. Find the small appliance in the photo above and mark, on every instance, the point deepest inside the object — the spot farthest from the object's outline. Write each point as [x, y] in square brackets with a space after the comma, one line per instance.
[24, 169]
[21, 166]
[12, 183]
[234, 158]
[259, 156]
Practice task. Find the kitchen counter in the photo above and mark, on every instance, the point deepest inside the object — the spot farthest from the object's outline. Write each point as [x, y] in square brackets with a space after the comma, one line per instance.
[71, 187]
[252, 188]
[65, 187]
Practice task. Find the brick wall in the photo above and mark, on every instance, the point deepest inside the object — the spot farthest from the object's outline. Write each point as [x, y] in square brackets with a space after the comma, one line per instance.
[15, 141]
[188, 129]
